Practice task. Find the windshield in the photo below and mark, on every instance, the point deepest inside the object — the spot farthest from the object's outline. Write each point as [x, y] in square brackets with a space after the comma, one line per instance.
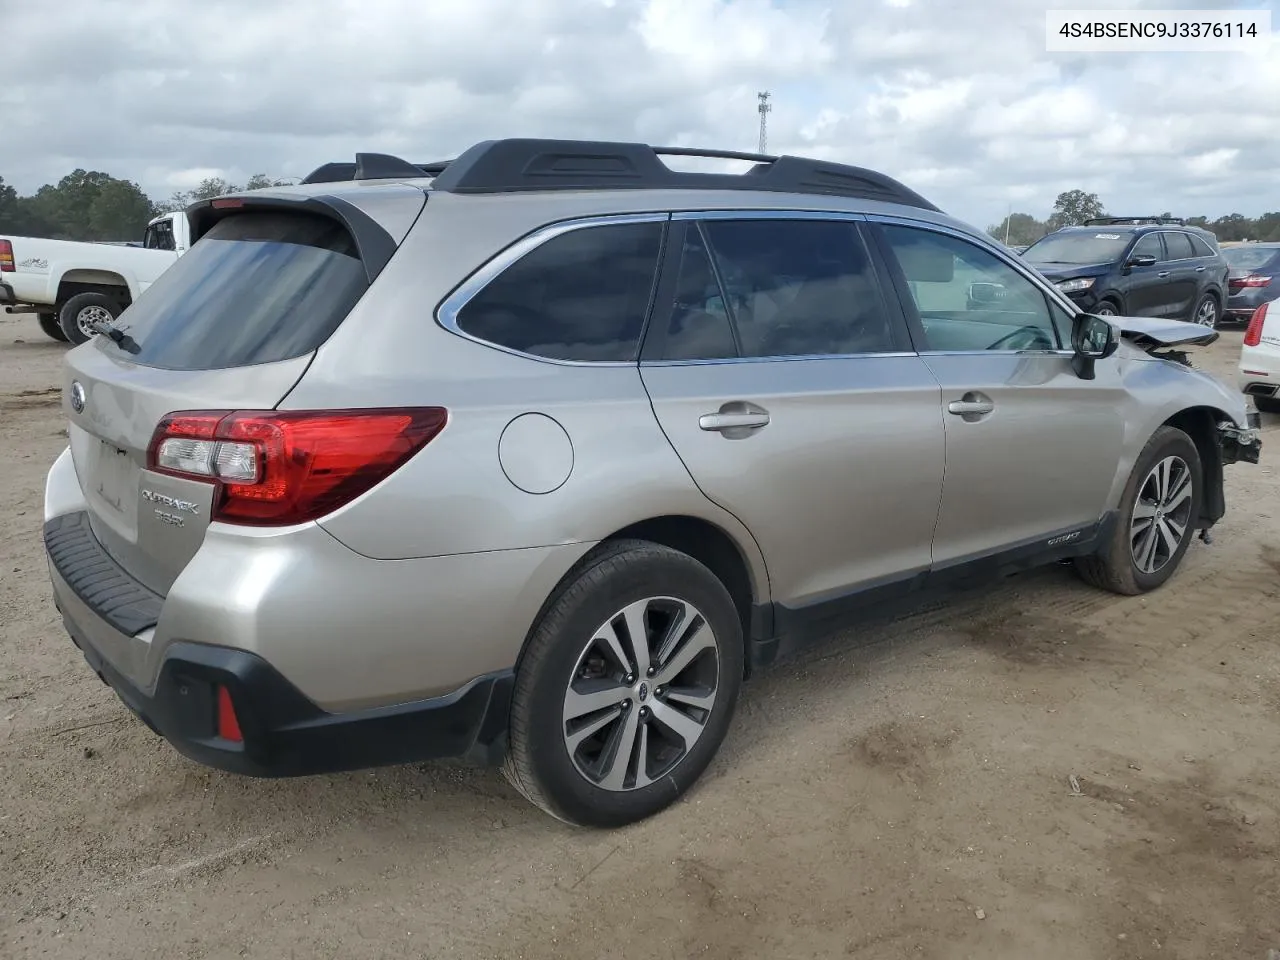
[1250, 258]
[1086, 246]
[257, 288]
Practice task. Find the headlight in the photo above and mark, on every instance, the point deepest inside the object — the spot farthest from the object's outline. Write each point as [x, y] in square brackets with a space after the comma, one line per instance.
[1075, 286]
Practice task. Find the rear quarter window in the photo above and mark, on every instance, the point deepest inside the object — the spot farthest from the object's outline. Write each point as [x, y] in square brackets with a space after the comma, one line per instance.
[259, 287]
[582, 295]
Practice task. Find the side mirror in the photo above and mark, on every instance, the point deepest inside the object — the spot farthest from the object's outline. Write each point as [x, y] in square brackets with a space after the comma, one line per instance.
[983, 292]
[1145, 260]
[1092, 339]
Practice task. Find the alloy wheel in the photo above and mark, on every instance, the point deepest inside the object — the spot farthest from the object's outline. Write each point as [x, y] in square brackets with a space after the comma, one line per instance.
[91, 315]
[1207, 314]
[641, 693]
[1105, 310]
[1162, 514]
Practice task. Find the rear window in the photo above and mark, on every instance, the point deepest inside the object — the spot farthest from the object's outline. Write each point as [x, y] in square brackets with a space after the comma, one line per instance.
[1077, 249]
[1250, 258]
[580, 296]
[257, 288]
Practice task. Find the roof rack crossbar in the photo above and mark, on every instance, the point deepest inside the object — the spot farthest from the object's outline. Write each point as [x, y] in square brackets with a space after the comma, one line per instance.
[518, 165]
[1109, 221]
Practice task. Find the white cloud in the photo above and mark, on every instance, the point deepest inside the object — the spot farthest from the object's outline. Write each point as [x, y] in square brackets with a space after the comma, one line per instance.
[957, 98]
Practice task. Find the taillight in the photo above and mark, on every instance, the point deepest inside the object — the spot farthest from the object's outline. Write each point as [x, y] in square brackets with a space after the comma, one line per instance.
[1253, 333]
[6, 257]
[1252, 280]
[278, 467]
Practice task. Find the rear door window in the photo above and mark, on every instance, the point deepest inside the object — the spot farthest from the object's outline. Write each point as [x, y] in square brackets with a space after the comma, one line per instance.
[582, 295]
[778, 288]
[1179, 246]
[258, 287]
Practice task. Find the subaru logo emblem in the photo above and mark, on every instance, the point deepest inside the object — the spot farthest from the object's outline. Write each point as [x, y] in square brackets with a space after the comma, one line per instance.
[77, 396]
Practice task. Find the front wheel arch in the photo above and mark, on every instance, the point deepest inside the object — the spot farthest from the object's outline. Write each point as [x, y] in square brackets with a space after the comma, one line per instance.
[1201, 425]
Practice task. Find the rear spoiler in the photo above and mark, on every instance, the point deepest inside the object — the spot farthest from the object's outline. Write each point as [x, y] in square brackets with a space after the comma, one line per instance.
[375, 245]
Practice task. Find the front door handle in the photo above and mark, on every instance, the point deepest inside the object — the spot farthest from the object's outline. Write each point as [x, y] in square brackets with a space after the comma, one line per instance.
[1199, 269]
[735, 420]
[1162, 274]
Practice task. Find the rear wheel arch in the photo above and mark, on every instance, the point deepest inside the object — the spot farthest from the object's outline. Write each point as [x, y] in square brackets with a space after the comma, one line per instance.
[702, 540]
[104, 282]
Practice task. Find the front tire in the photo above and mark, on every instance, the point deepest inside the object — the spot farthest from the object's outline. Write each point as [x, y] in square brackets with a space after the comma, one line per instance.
[1160, 508]
[51, 327]
[81, 312]
[1107, 308]
[627, 687]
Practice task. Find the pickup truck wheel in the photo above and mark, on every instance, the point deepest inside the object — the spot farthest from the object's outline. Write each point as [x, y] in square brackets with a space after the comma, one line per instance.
[51, 327]
[81, 312]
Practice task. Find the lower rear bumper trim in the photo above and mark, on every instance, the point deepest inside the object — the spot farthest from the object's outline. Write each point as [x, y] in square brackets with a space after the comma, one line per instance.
[286, 734]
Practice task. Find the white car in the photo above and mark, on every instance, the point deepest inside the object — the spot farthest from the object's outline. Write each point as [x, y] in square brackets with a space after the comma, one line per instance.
[1259, 370]
[72, 286]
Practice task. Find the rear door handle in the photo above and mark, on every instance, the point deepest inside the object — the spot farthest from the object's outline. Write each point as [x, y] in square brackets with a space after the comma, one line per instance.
[969, 407]
[735, 420]
[1199, 269]
[1162, 274]
[720, 422]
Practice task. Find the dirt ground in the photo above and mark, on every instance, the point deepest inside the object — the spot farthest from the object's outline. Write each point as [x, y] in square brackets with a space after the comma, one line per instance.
[910, 798]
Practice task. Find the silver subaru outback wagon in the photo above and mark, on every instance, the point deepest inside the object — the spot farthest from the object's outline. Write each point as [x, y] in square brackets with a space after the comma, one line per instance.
[531, 457]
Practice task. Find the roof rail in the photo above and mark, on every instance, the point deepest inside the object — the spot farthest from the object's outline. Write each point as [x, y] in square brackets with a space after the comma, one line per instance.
[517, 165]
[1116, 221]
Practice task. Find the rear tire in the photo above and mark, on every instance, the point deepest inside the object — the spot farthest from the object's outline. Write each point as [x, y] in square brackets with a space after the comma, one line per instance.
[1207, 313]
[51, 327]
[1144, 550]
[80, 312]
[598, 742]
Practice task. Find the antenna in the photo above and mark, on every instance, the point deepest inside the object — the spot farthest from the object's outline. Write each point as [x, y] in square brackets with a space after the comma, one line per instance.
[763, 109]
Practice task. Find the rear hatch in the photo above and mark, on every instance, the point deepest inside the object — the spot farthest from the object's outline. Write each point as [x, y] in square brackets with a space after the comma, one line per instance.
[232, 325]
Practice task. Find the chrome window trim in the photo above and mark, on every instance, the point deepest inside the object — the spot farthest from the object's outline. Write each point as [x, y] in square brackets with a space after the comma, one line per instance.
[446, 313]
[1051, 290]
[783, 358]
[769, 213]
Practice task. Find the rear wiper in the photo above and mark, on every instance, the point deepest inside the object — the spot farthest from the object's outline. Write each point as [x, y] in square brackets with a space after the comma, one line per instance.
[121, 339]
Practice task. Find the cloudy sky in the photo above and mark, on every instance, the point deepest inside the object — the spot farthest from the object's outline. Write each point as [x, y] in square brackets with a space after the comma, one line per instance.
[957, 98]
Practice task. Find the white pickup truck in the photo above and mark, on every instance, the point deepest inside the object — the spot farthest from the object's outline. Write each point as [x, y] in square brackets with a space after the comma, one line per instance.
[72, 285]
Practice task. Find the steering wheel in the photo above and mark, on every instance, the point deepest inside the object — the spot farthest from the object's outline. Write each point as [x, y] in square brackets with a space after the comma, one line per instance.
[1033, 336]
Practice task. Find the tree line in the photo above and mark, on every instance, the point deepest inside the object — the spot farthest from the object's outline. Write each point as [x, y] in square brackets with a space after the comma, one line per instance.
[91, 205]
[1074, 207]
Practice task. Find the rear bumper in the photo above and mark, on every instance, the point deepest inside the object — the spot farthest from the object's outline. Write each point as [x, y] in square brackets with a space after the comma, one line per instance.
[284, 733]
[111, 618]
